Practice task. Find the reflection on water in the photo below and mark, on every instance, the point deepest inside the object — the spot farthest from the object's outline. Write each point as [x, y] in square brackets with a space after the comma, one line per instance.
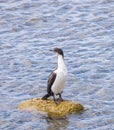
[57, 123]
[85, 31]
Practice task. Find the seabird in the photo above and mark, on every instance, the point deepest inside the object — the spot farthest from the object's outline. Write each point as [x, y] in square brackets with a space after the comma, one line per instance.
[57, 79]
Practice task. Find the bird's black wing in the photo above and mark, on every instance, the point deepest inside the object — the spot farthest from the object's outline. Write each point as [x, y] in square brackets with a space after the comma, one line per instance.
[50, 82]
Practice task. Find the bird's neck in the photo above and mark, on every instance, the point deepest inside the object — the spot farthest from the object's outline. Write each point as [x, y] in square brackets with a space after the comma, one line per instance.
[61, 64]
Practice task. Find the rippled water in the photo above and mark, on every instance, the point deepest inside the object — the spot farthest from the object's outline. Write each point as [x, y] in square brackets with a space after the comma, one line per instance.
[84, 29]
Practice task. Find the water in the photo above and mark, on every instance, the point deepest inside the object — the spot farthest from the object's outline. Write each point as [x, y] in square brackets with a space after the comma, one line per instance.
[84, 29]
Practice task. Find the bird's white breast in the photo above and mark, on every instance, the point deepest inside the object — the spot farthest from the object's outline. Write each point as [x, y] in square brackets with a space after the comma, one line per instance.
[60, 81]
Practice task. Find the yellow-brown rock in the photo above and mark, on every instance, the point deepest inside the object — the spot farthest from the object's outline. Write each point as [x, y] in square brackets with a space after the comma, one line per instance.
[48, 106]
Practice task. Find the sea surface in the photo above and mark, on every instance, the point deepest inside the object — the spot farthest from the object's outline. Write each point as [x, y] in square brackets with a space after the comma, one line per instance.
[84, 29]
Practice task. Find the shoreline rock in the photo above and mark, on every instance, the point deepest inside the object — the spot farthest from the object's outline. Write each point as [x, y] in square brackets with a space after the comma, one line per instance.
[50, 108]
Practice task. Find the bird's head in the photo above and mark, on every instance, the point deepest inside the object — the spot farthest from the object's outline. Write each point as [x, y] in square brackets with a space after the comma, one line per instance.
[58, 51]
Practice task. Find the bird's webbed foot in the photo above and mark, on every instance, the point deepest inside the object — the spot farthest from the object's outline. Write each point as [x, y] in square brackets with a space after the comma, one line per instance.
[58, 100]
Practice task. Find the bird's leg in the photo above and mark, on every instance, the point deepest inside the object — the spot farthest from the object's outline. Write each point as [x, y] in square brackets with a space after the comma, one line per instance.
[55, 100]
[60, 97]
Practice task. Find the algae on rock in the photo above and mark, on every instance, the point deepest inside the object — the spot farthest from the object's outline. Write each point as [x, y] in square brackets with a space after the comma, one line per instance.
[48, 106]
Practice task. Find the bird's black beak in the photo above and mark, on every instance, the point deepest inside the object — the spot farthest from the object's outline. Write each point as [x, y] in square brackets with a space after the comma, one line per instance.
[52, 50]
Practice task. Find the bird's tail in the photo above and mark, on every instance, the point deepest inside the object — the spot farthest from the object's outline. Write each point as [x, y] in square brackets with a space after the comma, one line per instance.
[46, 96]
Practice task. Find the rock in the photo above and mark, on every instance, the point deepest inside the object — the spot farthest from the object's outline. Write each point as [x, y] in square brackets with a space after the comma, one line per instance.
[48, 106]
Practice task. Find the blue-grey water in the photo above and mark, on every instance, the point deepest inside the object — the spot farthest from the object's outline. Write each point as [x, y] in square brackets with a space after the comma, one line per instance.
[84, 29]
